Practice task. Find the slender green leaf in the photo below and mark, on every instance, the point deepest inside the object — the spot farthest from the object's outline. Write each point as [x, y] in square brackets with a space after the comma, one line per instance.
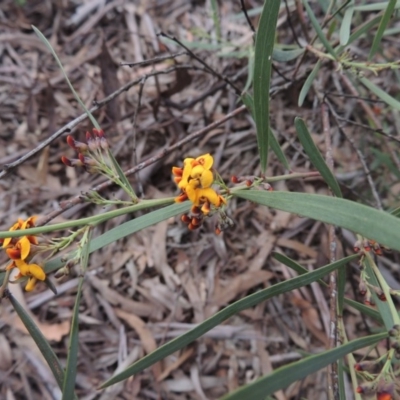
[383, 306]
[315, 156]
[78, 99]
[346, 26]
[265, 39]
[387, 98]
[341, 380]
[396, 212]
[375, 6]
[293, 265]
[276, 148]
[240, 305]
[137, 224]
[361, 30]
[282, 377]
[286, 55]
[318, 30]
[41, 342]
[381, 29]
[366, 310]
[87, 111]
[214, 14]
[369, 222]
[250, 69]
[72, 359]
[307, 84]
[341, 287]
[73, 346]
[128, 228]
[248, 101]
[123, 178]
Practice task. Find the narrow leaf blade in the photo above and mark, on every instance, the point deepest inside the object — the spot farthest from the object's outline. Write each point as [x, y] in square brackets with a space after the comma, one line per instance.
[240, 305]
[368, 311]
[126, 229]
[315, 156]
[73, 347]
[307, 84]
[276, 148]
[284, 376]
[78, 99]
[381, 29]
[262, 75]
[122, 176]
[41, 342]
[318, 30]
[387, 98]
[346, 26]
[293, 265]
[367, 221]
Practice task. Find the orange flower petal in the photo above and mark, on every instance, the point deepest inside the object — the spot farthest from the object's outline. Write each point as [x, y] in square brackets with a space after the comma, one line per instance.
[14, 253]
[206, 208]
[177, 171]
[29, 223]
[181, 198]
[33, 239]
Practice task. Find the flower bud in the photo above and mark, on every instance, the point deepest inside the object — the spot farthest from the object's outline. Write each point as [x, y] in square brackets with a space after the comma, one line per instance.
[186, 219]
[66, 161]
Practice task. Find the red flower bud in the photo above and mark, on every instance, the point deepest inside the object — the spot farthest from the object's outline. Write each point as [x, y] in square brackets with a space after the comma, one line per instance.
[186, 219]
[195, 210]
[196, 221]
[193, 227]
[66, 161]
[71, 142]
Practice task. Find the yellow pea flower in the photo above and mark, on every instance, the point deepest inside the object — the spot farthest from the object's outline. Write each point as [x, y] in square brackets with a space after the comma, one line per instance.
[33, 271]
[20, 250]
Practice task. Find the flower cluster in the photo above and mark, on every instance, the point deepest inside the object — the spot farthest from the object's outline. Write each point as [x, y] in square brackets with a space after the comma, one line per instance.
[95, 157]
[19, 250]
[379, 376]
[90, 154]
[365, 245]
[195, 180]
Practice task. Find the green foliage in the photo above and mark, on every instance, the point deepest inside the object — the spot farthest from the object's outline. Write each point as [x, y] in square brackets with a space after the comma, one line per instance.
[367, 222]
[265, 39]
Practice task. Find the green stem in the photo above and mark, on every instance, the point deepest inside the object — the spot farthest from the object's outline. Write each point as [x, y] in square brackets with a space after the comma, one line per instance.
[386, 290]
[93, 220]
[292, 176]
